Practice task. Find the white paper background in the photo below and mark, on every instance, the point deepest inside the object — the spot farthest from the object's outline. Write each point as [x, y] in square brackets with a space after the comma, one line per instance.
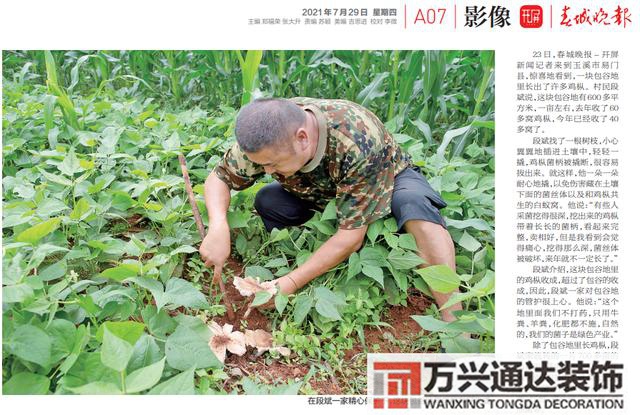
[192, 24]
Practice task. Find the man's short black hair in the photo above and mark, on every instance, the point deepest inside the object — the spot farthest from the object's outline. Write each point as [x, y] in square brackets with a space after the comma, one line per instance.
[267, 122]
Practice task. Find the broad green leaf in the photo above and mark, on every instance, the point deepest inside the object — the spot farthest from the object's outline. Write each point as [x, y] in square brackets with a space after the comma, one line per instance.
[391, 240]
[302, 308]
[392, 291]
[63, 336]
[469, 243]
[183, 293]
[154, 286]
[31, 344]
[70, 165]
[97, 388]
[54, 271]
[401, 279]
[404, 260]
[457, 298]
[373, 256]
[186, 348]
[42, 251]
[478, 224]
[479, 256]
[81, 339]
[81, 210]
[279, 234]
[180, 384]
[459, 343]
[25, 383]
[129, 331]
[486, 285]
[115, 352]
[327, 309]
[302, 257]
[323, 293]
[281, 302]
[184, 249]
[121, 272]
[101, 183]
[324, 227]
[88, 368]
[39, 231]
[329, 212]
[391, 225]
[440, 278]
[261, 297]
[355, 266]
[474, 150]
[374, 229]
[135, 247]
[158, 321]
[237, 219]
[407, 241]
[374, 272]
[259, 272]
[121, 200]
[276, 263]
[55, 178]
[429, 323]
[145, 352]
[17, 293]
[144, 378]
[472, 323]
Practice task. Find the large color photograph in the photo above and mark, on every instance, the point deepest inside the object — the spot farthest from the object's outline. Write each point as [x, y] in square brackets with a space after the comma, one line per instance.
[242, 222]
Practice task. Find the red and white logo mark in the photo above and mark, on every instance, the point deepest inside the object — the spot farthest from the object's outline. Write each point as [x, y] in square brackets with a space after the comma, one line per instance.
[531, 16]
[399, 381]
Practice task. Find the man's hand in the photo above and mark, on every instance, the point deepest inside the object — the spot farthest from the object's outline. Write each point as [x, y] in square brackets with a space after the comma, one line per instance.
[335, 250]
[287, 284]
[216, 246]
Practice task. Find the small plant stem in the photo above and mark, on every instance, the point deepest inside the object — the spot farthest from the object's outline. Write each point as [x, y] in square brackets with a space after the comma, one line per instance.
[472, 264]
[124, 386]
[294, 243]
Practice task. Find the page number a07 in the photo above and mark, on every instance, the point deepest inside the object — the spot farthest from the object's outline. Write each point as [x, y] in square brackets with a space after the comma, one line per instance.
[430, 16]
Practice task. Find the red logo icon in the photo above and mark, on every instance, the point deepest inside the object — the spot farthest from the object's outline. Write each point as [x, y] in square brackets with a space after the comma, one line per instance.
[397, 384]
[531, 17]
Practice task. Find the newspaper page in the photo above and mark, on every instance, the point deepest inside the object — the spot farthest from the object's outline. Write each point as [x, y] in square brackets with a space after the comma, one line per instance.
[313, 206]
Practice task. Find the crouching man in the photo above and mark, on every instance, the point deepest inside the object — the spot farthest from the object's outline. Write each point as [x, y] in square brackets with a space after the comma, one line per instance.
[319, 150]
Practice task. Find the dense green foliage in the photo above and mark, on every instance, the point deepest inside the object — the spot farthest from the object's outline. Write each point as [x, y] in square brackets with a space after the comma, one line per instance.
[102, 284]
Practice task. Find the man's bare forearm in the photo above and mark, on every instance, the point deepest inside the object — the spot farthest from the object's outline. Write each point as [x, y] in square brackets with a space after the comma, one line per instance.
[335, 250]
[217, 197]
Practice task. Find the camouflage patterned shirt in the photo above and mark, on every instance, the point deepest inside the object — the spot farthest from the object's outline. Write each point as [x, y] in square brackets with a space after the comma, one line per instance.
[356, 162]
